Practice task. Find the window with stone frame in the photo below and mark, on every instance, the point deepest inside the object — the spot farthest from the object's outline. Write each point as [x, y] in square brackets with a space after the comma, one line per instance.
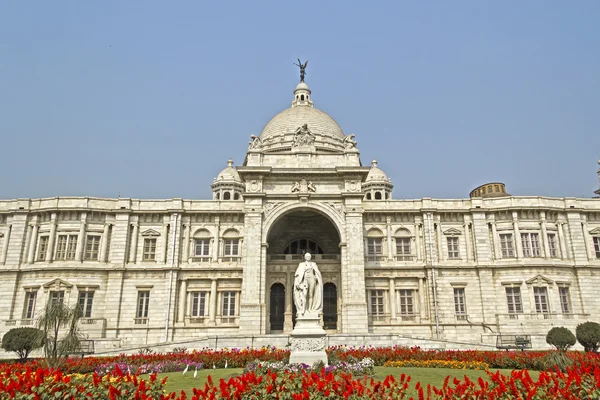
[198, 304]
[513, 300]
[303, 245]
[506, 245]
[460, 303]
[85, 302]
[231, 245]
[407, 302]
[202, 248]
[149, 253]
[552, 245]
[43, 248]
[403, 245]
[453, 250]
[29, 307]
[57, 297]
[596, 240]
[565, 300]
[377, 303]
[143, 304]
[66, 246]
[531, 244]
[374, 249]
[540, 296]
[92, 248]
[228, 309]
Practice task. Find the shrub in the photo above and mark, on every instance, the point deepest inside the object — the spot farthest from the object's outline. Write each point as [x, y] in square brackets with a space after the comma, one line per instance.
[561, 338]
[588, 335]
[557, 360]
[22, 341]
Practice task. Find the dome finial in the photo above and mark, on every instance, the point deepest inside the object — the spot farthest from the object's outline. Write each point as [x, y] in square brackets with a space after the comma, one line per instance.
[230, 163]
[374, 163]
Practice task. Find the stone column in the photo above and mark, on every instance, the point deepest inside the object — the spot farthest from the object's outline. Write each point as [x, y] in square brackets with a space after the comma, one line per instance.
[393, 299]
[518, 244]
[544, 235]
[186, 244]
[587, 240]
[50, 252]
[104, 247]
[422, 305]
[80, 239]
[417, 249]
[467, 240]
[497, 242]
[182, 302]
[134, 241]
[438, 234]
[388, 226]
[5, 244]
[32, 245]
[215, 249]
[212, 304]
[165, 243]
[561, 239]
[288, 323]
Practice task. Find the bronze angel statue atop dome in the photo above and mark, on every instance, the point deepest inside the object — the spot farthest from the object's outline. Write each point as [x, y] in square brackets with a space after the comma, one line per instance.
[302, 69]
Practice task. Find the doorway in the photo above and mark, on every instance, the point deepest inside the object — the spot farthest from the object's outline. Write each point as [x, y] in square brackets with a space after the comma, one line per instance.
[277, 307]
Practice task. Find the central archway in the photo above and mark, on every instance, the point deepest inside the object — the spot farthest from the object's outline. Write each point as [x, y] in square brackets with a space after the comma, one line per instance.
[289, 235]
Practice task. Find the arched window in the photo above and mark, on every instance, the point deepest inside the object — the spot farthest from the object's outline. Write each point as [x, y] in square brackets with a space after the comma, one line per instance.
[202, 239]
[377, 195]
[231, 245]
[226, 196]
[374, 245]
[302, 97]
[236, 196]
[218, 196]
[403, 245]
[368, 196]
[301, 246]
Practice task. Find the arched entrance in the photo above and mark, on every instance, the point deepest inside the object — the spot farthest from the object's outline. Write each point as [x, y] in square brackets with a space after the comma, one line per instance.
[277, 307]
[289, 238]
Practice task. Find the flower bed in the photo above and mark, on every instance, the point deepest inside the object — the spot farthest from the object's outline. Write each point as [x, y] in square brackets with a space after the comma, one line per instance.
[437, 364]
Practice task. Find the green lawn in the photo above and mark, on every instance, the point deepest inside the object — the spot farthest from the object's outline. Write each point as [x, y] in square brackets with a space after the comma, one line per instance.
[435, 376]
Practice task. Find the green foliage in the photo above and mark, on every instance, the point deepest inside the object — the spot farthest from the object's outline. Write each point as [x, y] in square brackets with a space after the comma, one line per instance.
[588, 335]
[145, 351]
[22, 341]
[557, 360]
[60, 325]
[561, 338]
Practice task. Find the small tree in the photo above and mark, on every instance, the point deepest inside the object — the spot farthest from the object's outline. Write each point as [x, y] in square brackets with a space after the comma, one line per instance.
[60, 324]
[561, 338]
[588, 335]
[22, 341]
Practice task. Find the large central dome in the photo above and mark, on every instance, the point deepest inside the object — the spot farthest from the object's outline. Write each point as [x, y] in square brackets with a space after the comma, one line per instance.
[302, 112]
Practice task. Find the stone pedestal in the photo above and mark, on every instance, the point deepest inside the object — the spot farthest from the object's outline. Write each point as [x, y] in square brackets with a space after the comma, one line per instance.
[308, 341]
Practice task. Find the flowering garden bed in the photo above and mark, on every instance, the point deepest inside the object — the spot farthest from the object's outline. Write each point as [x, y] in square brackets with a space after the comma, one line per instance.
[267, 376]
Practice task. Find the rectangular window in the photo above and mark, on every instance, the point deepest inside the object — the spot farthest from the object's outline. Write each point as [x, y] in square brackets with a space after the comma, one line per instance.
[374, 249]
[403, 246]
[406, 302]
[513, 299]
[57, 297]
[198, 304]
[201, 248]
[540, 295]
[565, 299]
[149, 250]
[85, 303]
[376, 307]
[597, 246]
[29, 309]
[460, 304]
[43, 248]
[531, 244]
[453, 247]
[552, 245]
[92, 248]
[506, 245]
[228, 304]
[66, 247]
[143, 302]
[232, 248]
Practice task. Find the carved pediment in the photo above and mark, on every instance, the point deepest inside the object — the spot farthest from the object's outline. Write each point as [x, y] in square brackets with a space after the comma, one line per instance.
[452, 232]
[57, 283]
[595, 231]
[539, 280]
[150, 232]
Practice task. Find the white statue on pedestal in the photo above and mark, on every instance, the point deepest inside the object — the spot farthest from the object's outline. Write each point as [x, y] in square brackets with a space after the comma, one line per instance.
[308, 288]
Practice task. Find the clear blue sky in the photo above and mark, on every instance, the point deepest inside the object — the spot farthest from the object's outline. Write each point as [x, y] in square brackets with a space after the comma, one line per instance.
[150, 98]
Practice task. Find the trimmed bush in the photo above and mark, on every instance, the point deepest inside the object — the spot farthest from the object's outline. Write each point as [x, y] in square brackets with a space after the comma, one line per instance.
[22, 341]
[561, 338]
[588, 335]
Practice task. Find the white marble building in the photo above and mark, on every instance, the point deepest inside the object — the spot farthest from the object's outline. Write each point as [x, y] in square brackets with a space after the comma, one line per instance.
[181, 270]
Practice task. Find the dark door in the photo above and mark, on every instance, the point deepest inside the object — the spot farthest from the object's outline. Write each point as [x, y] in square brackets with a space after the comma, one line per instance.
[277, 306]
[329, 306]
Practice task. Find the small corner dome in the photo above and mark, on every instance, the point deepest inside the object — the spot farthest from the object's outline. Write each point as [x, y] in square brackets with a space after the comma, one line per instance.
[376, 174]
[229, 173]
